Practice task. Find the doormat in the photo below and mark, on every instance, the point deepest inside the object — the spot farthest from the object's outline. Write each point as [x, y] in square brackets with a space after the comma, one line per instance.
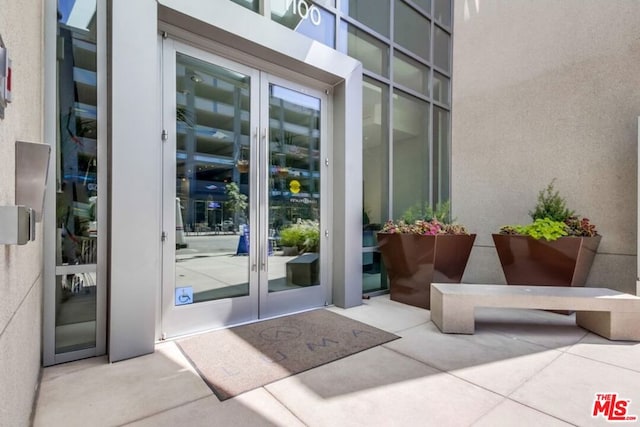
[235, 360]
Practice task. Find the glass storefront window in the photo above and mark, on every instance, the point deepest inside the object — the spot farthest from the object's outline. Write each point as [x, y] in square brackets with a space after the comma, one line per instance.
[442, 12]
[410, 73]
[373, 53]
[411, 29]
[441, 153]
[441, 50]
[76, 166]
[372, 13]
[306, 17]
[375, 160]
[249, 4]
[424, 4]
[325, 3]
[411, 174]
[440, 88]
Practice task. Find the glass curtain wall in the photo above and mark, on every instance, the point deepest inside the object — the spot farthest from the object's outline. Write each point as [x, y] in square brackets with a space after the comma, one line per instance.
[76, 183]
[405, 49]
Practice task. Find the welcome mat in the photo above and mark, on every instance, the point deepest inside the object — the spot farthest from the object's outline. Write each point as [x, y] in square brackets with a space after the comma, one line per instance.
[232, 361]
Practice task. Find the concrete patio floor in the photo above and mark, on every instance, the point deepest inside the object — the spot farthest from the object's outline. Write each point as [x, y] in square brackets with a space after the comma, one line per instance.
[522, 367]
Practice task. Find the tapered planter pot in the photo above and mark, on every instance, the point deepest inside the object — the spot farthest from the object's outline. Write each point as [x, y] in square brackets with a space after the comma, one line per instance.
[409, 260]
[452, 254]
[562, 262]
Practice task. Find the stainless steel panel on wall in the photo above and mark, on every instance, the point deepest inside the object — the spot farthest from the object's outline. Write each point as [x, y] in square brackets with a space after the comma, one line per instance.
[135, 251]
[32, 161]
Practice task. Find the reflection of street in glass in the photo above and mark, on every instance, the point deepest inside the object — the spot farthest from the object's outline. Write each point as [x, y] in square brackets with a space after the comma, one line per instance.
[208, 245]
[210, 263]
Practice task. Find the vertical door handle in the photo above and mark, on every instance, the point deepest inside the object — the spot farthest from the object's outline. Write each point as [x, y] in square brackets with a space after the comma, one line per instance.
[264, 251]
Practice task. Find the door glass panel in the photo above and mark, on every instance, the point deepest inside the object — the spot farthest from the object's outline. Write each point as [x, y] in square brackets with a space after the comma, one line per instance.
[294, 189]
[212, 182]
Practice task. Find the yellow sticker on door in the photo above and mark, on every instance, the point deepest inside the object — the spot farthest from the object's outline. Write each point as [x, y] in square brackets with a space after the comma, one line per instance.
[294, 186]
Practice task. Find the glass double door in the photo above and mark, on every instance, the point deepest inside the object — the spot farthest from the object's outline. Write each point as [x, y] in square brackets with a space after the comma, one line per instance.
[243, 217]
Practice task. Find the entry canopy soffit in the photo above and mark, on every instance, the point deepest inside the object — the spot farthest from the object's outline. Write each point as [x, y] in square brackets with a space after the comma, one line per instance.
[251, 33]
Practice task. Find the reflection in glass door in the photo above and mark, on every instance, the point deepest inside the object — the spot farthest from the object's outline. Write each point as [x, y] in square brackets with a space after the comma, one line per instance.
[212, 181]
[246, 212]
[210, 118]
[293, 198]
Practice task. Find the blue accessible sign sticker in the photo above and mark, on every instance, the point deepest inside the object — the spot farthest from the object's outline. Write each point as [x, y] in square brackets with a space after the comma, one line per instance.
[184, 295]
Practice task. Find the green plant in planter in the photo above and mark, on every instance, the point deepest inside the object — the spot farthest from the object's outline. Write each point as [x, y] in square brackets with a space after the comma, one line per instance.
[541, 228]
[454, 229]
[551, 205]
[580, 227]
[556, 249]
[552, 219]
[425, 212]
[304, 235]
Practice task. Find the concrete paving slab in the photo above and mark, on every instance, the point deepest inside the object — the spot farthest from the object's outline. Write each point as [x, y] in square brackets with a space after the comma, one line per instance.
[567, 388]
[540, 327]
[509, 414]
[618, 353]
[492, 361]
[385, 314]
[380, 387]
[104, 394]
[53, 372]
[255, 408]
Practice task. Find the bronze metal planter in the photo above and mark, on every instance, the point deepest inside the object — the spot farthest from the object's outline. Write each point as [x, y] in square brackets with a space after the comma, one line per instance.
[452, 254]
[562, 262]
[409, 260]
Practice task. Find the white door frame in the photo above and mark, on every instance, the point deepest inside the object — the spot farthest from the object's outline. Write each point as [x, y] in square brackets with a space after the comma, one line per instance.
[272, 304]
[191, 318]
[134, 271]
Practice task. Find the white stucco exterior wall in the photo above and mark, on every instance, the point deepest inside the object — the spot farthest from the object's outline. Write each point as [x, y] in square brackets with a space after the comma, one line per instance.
[20, 266]
[545, 90]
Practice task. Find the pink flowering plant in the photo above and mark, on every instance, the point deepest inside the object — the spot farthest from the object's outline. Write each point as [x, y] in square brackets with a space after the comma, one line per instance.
[423, 227]
[423, 220]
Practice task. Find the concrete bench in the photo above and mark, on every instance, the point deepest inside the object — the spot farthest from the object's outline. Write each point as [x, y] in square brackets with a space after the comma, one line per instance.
[611, 314]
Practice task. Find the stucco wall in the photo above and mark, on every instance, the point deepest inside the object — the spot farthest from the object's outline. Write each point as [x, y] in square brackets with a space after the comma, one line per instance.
[20, 266]
[545, 90]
